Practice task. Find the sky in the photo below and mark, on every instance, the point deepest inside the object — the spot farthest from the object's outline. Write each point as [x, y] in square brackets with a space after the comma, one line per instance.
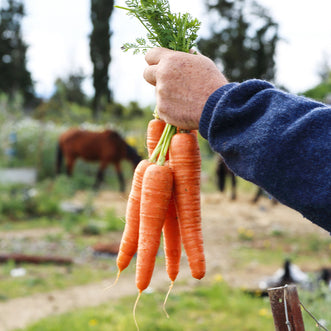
[57, 33]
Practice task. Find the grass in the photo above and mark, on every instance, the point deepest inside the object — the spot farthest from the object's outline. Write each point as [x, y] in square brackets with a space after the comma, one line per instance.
[310, 249]
[71, 239]
[69, 221]
[215, 307]
[25, 224]
[45, 278]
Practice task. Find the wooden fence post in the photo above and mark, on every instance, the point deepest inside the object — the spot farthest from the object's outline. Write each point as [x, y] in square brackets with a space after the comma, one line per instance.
[285, 306]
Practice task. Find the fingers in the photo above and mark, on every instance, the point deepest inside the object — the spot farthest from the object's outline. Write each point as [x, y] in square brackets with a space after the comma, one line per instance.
[154, 55]
[150, 74]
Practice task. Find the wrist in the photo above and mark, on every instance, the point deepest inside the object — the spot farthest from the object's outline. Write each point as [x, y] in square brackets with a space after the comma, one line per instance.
[209, 107]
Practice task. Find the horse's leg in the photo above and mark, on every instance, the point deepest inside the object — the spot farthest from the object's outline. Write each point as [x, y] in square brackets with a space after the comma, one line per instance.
[257, 195]
[120, 177]
[221, 172]
[234, 184]
[100, 175]
[70, 162]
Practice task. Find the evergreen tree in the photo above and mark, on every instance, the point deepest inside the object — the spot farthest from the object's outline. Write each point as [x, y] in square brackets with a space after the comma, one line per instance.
[101, 11]
[243, 39]
[14, 76]
[70, 88]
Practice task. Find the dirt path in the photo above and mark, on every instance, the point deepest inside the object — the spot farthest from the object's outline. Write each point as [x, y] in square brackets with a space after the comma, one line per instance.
[20, 312]
[221, 220]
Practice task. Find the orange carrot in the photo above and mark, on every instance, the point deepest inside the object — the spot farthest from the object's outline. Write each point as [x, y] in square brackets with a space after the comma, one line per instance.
[172, 241]
[129, 242]
[154, 131]
[185, 162]
[155, 196]
[171, 235]
[172, 246]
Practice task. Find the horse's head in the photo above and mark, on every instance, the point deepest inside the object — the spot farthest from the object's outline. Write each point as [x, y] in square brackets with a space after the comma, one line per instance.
[132, 155]
[124, 149]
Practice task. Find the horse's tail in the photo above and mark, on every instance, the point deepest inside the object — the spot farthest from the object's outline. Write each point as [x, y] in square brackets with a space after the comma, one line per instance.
[59, 158]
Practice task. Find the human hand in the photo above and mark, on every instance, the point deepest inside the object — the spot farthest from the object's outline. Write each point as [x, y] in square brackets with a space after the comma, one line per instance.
[183, 84]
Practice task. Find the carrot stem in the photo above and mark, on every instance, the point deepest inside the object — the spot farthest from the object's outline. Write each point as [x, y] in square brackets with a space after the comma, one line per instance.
[158, 147]
[162, 146]
[166, 143]
[155, 114]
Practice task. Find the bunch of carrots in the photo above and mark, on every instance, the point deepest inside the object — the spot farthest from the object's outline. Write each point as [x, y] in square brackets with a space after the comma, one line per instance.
[164, 198]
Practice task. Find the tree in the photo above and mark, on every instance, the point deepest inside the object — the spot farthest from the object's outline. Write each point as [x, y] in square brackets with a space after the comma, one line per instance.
[243, 39]
[322, 91]
[70, 89]
[101, 11]
[14, 77]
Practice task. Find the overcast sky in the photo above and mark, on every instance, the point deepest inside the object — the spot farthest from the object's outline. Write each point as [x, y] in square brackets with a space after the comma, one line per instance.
[57, 32]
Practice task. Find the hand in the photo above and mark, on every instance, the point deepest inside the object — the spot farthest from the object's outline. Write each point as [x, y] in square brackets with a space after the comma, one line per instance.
[183, 84]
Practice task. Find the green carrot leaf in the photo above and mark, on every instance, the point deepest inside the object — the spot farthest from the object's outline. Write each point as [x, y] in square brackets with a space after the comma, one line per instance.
[164, 28]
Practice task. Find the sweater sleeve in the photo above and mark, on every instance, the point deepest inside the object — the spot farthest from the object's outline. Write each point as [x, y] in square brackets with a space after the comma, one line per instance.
[279, 141]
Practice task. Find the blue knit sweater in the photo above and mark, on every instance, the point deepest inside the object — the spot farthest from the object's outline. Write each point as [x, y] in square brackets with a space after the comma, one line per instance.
[279, 141]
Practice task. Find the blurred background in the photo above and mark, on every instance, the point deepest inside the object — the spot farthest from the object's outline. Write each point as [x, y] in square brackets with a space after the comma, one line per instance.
[61, 66]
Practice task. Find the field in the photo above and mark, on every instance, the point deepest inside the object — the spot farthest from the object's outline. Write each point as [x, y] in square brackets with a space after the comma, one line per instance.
[244, 244]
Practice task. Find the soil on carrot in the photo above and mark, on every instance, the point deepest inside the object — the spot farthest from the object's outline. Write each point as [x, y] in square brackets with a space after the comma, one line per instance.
[243, 242]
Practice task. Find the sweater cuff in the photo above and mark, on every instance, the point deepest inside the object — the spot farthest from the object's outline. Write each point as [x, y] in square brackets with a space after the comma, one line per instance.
[210, 106]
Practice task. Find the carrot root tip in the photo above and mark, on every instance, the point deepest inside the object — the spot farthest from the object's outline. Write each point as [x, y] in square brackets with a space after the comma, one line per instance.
[134, 310]
[108, 287]
[166, 299]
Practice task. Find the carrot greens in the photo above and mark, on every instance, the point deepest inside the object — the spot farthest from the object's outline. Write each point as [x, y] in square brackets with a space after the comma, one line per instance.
[175, 31]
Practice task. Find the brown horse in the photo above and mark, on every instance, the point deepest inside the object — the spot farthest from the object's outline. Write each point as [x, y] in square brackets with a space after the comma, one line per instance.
[106, 147]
